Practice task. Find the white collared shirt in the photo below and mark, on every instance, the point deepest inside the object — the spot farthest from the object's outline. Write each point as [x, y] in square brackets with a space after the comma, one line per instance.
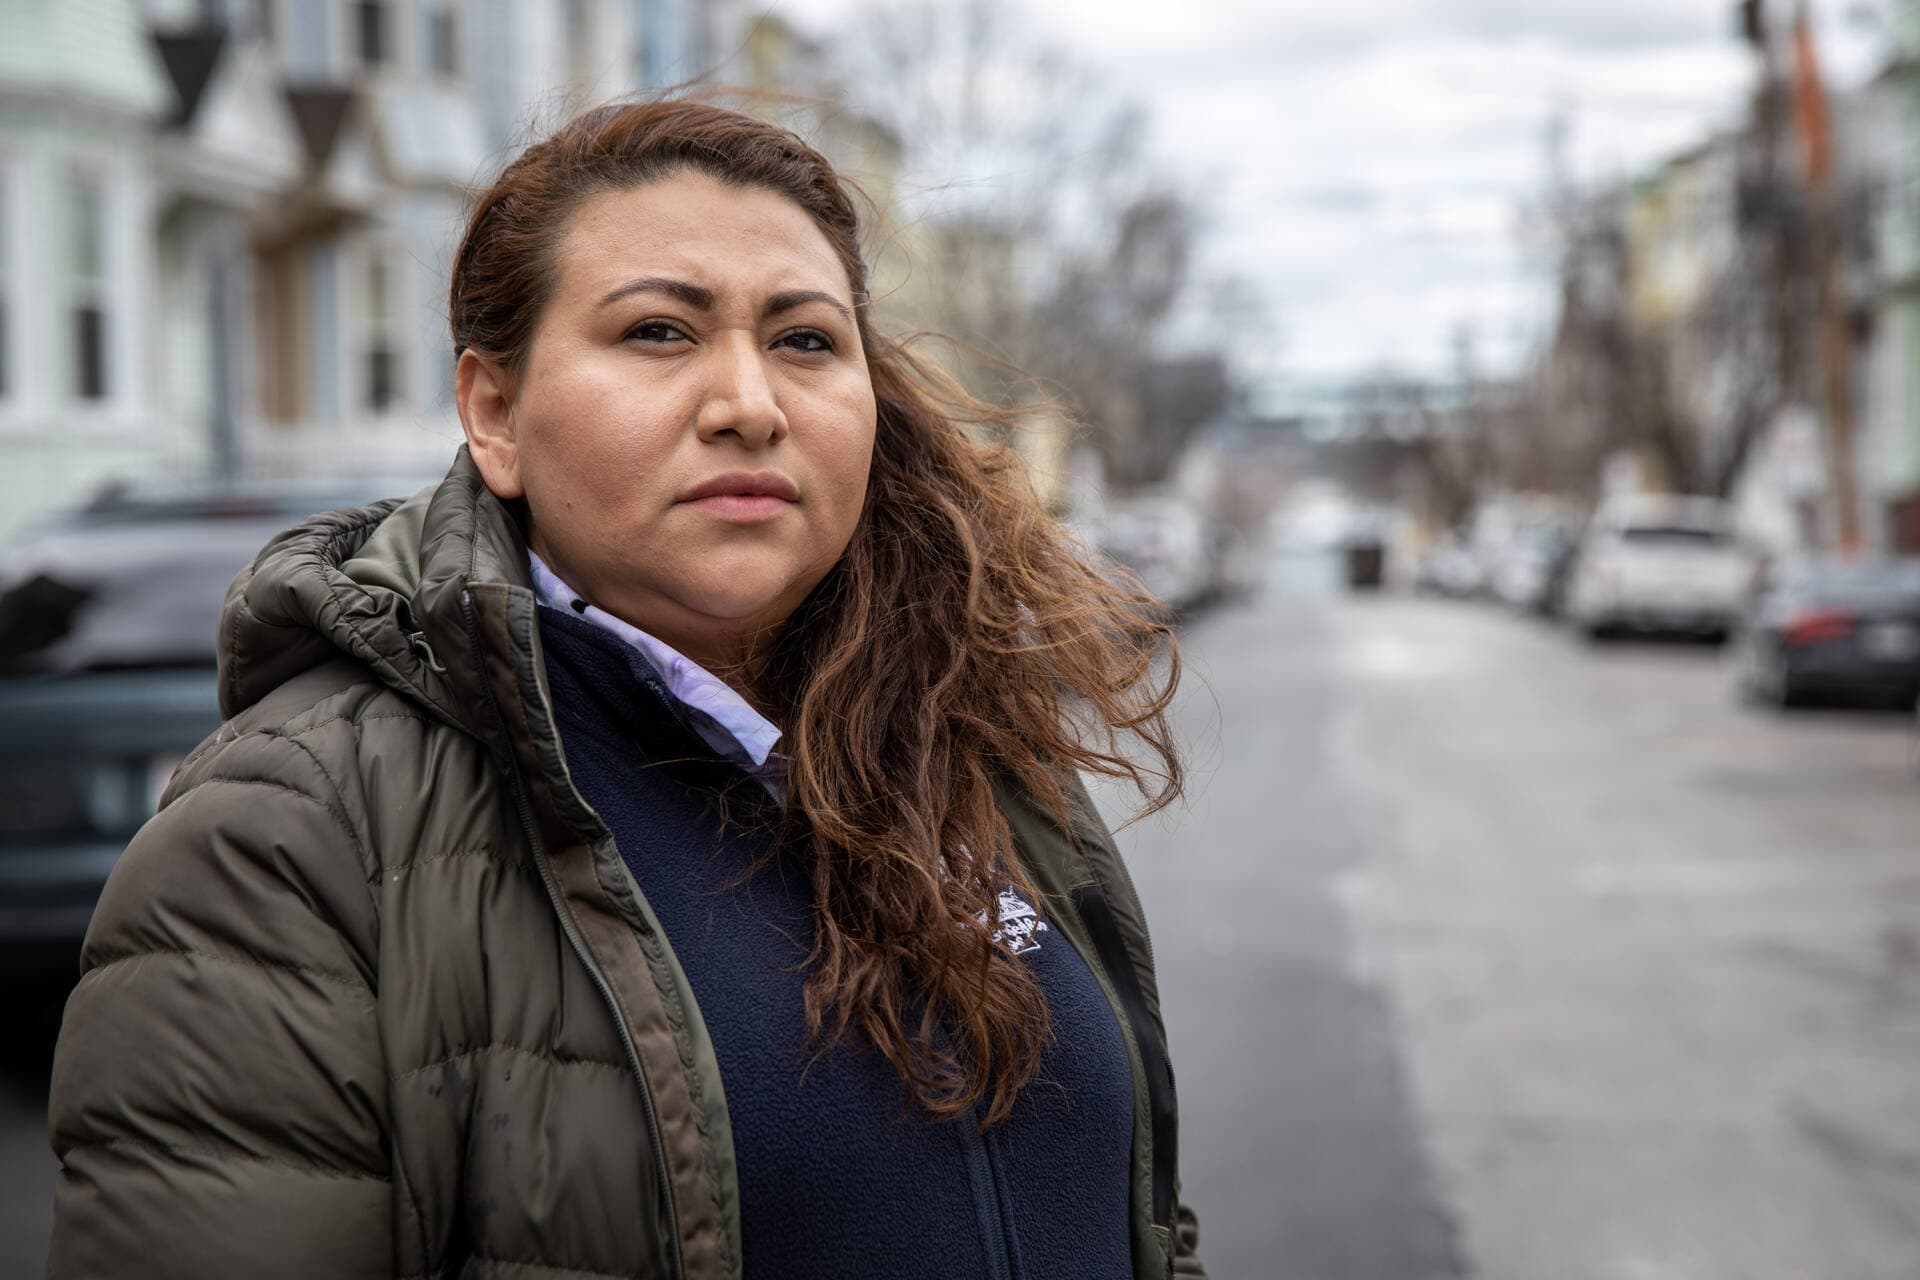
[724, 720]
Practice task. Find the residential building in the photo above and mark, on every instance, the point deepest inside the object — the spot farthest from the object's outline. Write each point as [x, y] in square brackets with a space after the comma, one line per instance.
[82, 92]
[226, 225]
[1889, 447]
[1706, 414]
[1723, 314]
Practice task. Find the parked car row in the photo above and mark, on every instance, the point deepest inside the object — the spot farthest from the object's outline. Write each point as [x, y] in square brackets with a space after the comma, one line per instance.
[1183, 556]
[1802, 630]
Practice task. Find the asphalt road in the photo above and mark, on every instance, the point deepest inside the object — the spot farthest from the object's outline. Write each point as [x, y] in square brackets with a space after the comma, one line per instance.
[1301, 1151]
[1489, 954]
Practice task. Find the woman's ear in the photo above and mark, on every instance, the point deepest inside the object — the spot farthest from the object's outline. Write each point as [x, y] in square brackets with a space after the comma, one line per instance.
[483, 394]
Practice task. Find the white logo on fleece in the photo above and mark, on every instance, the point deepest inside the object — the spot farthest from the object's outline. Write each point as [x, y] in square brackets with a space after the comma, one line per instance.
[1019, 924]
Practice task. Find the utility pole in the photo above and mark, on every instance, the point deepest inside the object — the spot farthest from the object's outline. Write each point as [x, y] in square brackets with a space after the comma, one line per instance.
[1830, 302]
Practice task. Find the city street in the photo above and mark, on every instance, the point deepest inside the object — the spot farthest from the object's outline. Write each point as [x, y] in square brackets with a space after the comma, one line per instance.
[1487, 953]
[1489, 947]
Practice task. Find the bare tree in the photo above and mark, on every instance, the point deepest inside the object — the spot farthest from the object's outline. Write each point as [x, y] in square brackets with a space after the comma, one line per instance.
[1694, 388]
[1037, 229]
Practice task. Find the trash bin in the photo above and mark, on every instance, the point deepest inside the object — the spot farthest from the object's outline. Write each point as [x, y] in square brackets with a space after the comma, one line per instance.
[1366, 565]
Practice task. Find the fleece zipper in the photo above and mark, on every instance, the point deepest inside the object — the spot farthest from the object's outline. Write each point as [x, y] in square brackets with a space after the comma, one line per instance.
[975, 1149]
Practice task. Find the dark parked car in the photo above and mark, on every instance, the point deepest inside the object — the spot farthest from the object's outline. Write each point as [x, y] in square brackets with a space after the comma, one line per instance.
[1825, 630]
[107, 621]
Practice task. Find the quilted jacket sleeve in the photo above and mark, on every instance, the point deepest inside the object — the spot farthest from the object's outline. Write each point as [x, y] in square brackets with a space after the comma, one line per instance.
[219, 1093]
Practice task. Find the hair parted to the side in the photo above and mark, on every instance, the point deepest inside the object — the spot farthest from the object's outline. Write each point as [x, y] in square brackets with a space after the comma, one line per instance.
[963, 639]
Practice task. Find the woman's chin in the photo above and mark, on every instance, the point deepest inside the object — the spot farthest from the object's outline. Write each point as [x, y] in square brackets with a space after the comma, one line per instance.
[743, 601]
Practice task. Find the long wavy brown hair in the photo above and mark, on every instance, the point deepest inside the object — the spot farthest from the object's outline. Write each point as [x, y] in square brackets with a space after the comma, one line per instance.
[964, 640]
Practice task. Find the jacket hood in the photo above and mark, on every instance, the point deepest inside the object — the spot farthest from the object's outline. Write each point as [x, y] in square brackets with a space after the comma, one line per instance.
[383, 584]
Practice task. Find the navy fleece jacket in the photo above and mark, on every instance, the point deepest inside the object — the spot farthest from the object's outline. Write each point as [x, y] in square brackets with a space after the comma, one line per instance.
[833, 1182]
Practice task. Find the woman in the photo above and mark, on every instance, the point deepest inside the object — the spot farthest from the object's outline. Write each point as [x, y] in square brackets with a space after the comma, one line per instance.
[655, 851]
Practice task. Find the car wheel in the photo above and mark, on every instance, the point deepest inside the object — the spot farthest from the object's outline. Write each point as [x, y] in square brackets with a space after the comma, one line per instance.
[1770, 682]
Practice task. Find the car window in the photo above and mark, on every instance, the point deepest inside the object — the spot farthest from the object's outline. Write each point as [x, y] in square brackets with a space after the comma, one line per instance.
[1855, 585]
[84, 597]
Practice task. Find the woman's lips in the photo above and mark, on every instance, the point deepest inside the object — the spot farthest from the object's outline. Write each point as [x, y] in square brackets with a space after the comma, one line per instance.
[743, 497]
[740, 508]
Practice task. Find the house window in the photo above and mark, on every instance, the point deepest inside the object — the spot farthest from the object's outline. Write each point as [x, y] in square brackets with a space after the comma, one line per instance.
[443, 55]
[381, 368]
[370, 32]
[578, 37]
[87, 286]
[6, 288]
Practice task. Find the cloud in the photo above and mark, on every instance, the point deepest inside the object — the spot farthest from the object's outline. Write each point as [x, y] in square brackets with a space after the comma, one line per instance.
[1364, 164]
[1281, 34]
[1368, 163]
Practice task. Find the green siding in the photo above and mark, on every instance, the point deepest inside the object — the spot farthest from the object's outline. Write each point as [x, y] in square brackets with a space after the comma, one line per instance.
[97, 49]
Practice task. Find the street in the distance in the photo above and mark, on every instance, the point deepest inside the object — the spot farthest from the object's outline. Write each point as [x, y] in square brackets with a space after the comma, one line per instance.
[1490, 952]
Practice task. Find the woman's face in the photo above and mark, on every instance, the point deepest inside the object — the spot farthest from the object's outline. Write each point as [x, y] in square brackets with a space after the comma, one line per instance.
[693, 425]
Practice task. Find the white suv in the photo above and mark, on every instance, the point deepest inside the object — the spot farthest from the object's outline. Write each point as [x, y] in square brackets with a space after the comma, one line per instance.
[1660, 562]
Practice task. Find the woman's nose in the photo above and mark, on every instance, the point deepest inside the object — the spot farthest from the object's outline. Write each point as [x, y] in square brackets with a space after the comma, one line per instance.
[740, 398]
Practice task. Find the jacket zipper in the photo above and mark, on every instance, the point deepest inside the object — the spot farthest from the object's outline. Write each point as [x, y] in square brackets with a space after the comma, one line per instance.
[567, 926]
[986, 1197]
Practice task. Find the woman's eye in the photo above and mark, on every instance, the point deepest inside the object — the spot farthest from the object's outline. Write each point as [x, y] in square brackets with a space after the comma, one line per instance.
[807, 340]
[655, 331]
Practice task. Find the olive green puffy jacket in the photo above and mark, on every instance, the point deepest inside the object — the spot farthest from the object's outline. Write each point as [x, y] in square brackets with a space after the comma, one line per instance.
[375, 995]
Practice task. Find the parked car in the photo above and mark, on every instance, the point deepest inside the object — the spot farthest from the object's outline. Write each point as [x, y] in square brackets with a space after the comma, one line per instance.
[1173, 548]
[1660, 563]
[1835, 631]
[1451, 568]
[1527, 576]
[107, 680]
[1559, 574]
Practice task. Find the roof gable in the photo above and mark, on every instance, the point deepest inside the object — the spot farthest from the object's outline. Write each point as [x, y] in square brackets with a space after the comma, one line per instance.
[243, 116]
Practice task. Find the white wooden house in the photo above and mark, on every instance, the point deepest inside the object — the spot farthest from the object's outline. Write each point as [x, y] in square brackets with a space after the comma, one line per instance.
[225, 225]
[81, 95]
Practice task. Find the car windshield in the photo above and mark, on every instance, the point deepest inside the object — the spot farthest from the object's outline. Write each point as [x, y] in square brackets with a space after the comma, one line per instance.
[133, 584]
[125, 595]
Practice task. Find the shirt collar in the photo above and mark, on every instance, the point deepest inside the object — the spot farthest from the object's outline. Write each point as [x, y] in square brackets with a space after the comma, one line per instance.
[747, 733]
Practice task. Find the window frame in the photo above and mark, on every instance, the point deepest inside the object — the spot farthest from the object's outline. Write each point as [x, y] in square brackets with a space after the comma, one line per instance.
[99, 289]
[367, 330]
[371, 19]
[428, 17]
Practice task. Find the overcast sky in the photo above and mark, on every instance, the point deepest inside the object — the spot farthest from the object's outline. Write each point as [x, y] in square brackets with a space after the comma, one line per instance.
[1364, 163]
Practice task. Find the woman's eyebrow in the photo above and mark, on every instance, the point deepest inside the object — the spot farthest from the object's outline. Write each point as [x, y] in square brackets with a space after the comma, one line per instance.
[799, 297]
[702, 298]
[691, 294]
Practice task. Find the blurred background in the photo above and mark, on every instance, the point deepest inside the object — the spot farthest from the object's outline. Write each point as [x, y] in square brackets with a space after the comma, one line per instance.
[1517, 404]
